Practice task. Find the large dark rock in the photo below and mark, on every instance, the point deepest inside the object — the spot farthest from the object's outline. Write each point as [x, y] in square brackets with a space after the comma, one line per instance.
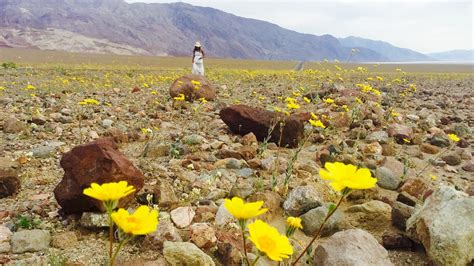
[9, 181]
[243, 119]
[184, 85]
[96, 162]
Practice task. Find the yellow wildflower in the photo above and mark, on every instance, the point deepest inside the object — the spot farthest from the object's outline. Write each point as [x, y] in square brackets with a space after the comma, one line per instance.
[143, 221]
[243, 211]
[296, 94]
[290, 100]
[276, 109]
[306, 99]
[328, 100]
[180, 97]
[30, 87]
[268, 240]
[109, 191]
[453, 137]
[317, 123]
[203, 100]
[294, 222]
[314, 116]
[146, 131]
[433, 177]
[347, 176]
[89, 102]
[293, 106]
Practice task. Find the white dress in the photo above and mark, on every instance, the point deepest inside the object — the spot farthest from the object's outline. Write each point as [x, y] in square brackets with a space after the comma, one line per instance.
[198, 64]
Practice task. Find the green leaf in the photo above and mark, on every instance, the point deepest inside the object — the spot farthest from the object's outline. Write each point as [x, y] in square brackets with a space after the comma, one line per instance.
[331, 207]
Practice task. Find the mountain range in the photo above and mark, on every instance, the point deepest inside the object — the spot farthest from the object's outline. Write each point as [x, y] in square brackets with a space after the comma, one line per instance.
[114, 26]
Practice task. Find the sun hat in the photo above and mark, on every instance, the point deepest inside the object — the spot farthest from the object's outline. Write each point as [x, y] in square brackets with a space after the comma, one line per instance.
[198, 44]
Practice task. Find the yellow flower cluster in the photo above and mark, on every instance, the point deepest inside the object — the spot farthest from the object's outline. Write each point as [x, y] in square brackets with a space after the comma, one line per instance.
[143, 221]
[89, 102]
[243, 211]
[349, 176]
[109, 191]
[454, 137]
[180, 97]
[268, 240]
[292, 103]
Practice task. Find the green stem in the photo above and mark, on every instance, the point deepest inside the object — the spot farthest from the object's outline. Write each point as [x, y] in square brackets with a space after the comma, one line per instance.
[256, 259]
[329, 214]
[111, 234]
[242, 227]
[112, 259]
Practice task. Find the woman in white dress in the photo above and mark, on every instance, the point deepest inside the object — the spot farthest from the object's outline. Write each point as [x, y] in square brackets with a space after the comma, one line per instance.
[198, 60]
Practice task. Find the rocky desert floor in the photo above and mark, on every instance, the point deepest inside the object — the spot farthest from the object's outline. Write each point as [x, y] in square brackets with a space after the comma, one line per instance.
[191, 161]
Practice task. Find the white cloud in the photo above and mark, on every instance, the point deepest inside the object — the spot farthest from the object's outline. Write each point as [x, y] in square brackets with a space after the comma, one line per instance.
[422, 25]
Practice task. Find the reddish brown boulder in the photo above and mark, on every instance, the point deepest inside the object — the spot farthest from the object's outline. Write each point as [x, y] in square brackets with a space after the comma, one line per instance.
[243, 119]
[201, 88]
[96, 162]
[416, 187]
[9, 182]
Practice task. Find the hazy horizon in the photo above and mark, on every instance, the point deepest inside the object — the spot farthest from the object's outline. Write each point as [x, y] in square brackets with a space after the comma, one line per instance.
[423, 26]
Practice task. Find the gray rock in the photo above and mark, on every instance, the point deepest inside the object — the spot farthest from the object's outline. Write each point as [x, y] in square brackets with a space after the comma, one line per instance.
[400, 214]
[440, 141]
[397, 167]
[66, 111]
[203, 235]
[351, 247]
[245, 172]
[223, 216]
[230, 163]
[193, 139]
[242, 190]
[64, 119]
[65, 240]
[373, 206]
[157, 149]
[186, 254]
[94, 220]
[312, 220]
[413, 117]
[167, 195]
[444, 224]
[165, 232]
[30, 241]
[452, 159]
[43, 151]
[468, 167]
[387, 179]
[302, 199]
[182, 217]
[5, 237]
[107, 123]
[13, 125]
[308, 165]
[268, 163]
[378, 136]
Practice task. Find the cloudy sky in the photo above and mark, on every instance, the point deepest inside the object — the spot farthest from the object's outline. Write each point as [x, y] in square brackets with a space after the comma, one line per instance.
[422, 25]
